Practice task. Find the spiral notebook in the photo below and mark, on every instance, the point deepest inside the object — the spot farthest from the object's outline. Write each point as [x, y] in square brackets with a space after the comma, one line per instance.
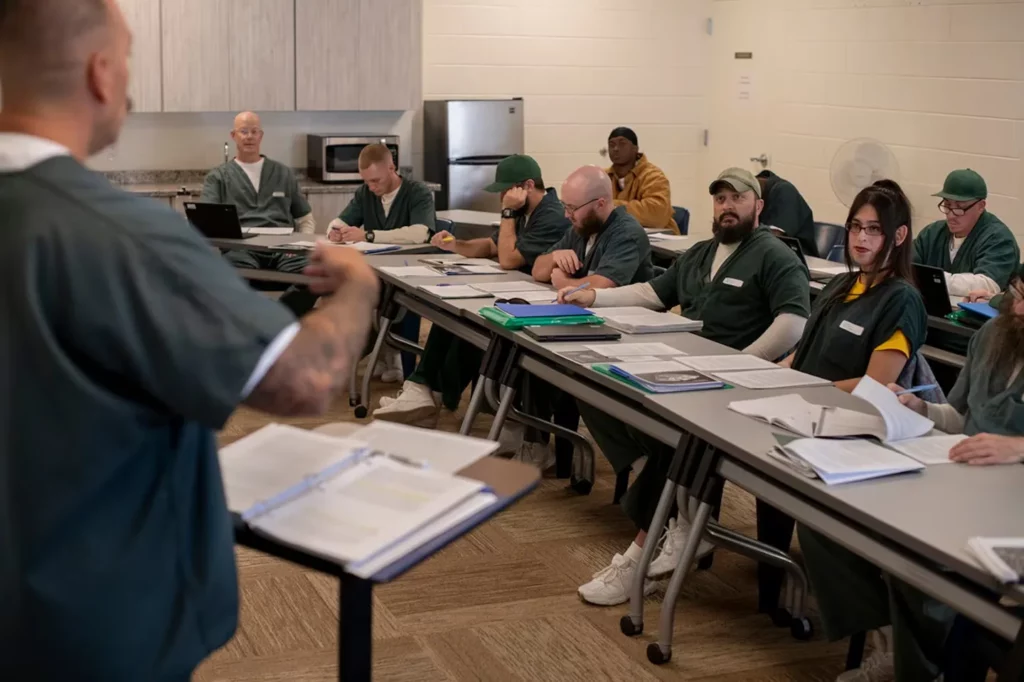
[346, 500]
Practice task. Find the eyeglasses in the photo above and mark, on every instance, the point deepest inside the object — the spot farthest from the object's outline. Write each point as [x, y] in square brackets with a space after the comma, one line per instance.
[512, 301]
[245, 132]
[956, 210]
[872, 229]
[570, 210]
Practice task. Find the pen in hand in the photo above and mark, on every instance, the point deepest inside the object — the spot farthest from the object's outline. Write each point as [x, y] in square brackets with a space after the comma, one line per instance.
[573, 291]
[917, 389]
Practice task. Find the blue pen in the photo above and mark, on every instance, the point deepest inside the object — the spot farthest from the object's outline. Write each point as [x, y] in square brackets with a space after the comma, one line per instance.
[917, 389]
[573, 291]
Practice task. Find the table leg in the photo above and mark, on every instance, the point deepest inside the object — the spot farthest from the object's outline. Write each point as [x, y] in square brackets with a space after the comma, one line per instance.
[1012, 669]
[355, 631]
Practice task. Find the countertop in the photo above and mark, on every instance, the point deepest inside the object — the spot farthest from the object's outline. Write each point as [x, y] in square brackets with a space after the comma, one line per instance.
[167, 190]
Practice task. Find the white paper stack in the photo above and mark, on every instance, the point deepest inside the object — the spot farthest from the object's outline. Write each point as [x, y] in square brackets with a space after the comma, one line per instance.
[637, 320]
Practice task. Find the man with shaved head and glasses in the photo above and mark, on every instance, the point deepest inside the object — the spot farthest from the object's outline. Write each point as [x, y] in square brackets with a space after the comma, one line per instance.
[977, 251]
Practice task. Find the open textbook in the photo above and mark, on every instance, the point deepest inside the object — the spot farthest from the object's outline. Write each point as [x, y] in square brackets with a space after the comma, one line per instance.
[363, 503]
[842, 461]
[1002, 557]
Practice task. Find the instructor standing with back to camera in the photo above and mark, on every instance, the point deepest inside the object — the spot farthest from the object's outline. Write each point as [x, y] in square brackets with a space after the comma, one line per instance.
[126, 341]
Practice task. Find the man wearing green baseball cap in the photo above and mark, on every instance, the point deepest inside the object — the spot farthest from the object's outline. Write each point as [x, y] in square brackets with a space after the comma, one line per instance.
[977, 251]
[532, 220]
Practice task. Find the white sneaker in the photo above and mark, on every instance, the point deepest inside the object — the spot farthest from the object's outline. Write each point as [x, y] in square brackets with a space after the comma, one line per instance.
[511, 438]
[878, 667]
[611, 585]
[539, 455]
[672, 543]
[389, 368]
[415, 404]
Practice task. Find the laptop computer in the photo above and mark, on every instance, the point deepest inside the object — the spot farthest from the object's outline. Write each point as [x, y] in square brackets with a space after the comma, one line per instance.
[215, 221]
[575, 332]
[931, 282]
[794, 245]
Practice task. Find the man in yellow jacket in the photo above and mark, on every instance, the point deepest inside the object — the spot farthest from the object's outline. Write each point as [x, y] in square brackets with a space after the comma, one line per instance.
[639, 185]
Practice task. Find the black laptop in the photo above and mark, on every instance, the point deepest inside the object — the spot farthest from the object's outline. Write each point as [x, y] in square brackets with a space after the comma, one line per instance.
[932, 284]
[215, 221]
[573, 332]
[794, 245]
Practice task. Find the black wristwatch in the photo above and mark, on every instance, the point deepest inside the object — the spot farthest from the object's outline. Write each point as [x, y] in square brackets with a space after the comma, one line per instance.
[370, 236]
[508, 213]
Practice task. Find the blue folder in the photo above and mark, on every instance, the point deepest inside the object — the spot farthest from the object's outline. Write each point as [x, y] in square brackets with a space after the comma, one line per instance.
[982, 309]
[553, 310]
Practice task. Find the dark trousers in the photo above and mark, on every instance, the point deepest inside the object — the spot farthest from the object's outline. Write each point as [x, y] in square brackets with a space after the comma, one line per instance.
[409, 329]
[448, 365]
[297, 299]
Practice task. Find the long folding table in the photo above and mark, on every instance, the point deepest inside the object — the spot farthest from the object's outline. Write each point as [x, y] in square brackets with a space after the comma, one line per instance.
[906, 525]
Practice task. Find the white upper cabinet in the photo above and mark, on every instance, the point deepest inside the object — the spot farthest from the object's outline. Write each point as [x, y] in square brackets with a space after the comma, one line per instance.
[145, 89]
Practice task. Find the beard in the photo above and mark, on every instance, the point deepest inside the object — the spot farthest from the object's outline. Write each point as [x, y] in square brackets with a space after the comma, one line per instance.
[736, 232]
[1006, 347]
[589, 226]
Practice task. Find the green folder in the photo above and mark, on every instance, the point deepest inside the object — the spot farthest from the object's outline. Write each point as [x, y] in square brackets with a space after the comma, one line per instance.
[502, 318]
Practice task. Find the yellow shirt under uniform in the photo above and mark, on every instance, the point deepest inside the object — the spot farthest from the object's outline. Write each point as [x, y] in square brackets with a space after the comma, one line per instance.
[898, 341]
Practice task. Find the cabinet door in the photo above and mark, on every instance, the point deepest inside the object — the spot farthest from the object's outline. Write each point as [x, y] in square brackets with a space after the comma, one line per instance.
[327, 58]
[390, 54]
[327, 206]
[196, 55]
[262, 55]
[146, 84]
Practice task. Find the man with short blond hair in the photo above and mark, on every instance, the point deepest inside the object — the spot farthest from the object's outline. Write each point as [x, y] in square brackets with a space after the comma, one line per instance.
[387, 209]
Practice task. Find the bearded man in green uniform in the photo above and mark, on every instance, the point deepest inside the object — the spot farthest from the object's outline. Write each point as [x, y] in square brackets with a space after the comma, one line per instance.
[752, 294]
[127, 342]
[266, 194]
[977, 251]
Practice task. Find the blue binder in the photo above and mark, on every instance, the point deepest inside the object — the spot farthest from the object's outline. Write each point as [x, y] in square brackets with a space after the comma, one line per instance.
[552, 310]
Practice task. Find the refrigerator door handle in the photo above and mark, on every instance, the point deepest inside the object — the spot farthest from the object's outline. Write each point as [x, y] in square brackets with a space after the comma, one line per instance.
[476, 161]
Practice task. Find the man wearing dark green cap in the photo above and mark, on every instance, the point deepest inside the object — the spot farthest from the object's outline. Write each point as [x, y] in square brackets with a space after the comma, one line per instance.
[977, 251]
[752, 294]
[532, 220]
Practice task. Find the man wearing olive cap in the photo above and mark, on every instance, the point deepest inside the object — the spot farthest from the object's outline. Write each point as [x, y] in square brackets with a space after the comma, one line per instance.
[752, 294]
[977, 251]
[637, 183]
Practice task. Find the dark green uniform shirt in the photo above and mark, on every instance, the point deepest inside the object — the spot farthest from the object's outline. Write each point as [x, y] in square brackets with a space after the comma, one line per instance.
[279, 202]
[785, 208]
[760, 280]
[127, 340]
[990, 249]
[542, 229]
[413, 205]
[622, 251]
[982, 395]
[838, 340]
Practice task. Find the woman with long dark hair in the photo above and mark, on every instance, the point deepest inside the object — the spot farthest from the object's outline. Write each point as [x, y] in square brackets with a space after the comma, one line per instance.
[872, 320]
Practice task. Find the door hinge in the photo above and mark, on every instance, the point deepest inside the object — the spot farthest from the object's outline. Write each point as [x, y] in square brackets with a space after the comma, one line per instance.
[710, 26]
[707, 136]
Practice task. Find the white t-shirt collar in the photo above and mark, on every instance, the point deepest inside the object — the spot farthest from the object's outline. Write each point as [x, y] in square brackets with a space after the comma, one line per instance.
[19, 151]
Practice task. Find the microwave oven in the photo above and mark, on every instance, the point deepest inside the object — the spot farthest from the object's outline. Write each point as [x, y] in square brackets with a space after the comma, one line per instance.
[335, 158]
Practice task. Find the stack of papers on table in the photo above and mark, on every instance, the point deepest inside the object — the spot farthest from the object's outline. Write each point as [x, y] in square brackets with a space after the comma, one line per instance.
[460, 268]
[456, 259]
[1002, 557]
[637, 320]
[276, 231]
[410, 271]
[453, 291]
[357, 502]
[776, 377]
[362, 247]
[622, 352]
[664, 376]
[715, 364]
[844, 461]
[511, 287]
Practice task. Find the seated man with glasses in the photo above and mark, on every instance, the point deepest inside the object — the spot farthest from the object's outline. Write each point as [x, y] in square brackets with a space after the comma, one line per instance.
[977, 251]
[266, 194]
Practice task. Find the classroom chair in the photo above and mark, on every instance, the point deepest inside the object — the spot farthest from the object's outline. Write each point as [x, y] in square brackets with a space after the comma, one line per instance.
[828, 236]
[682, 218]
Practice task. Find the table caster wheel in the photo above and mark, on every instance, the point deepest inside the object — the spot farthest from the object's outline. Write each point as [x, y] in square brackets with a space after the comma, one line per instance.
[656, 656]
[361, 412]
[583, 487]
[801, 629]
[629, 628]
[781, 618]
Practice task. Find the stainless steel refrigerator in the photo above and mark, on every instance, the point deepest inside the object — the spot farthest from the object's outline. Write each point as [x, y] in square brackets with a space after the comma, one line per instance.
[463, 141]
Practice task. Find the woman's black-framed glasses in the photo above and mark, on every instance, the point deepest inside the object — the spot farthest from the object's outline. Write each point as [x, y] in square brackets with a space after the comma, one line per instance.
[872, 230]
[956, 210]
[570, 210]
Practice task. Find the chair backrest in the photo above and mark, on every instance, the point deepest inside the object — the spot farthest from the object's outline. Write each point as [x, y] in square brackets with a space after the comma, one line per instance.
[917, 372]
[443, 224]
[827, 236]
[682, 218]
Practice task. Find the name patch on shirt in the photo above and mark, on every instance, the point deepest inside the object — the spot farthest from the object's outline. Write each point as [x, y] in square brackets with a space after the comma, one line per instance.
[279, 194]
[854, 329]
[733, 282]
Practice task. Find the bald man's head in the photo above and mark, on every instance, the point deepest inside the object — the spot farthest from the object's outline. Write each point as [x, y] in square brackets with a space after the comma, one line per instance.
[248, 136]
[66, 59]
[587, 196]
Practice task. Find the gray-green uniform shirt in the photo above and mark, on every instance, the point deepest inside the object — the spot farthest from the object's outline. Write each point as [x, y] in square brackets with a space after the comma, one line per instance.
[981, 394]
[279, 201]
[990, 249]
[759, 281]
[127, 341]
[840, 337]
[413, 205]
[621, 252]
[544, 227]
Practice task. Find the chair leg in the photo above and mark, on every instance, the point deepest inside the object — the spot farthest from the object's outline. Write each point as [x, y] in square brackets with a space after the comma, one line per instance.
[855, 652]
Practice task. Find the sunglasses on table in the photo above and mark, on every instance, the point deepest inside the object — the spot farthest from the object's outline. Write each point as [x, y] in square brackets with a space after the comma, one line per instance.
[511, 301]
